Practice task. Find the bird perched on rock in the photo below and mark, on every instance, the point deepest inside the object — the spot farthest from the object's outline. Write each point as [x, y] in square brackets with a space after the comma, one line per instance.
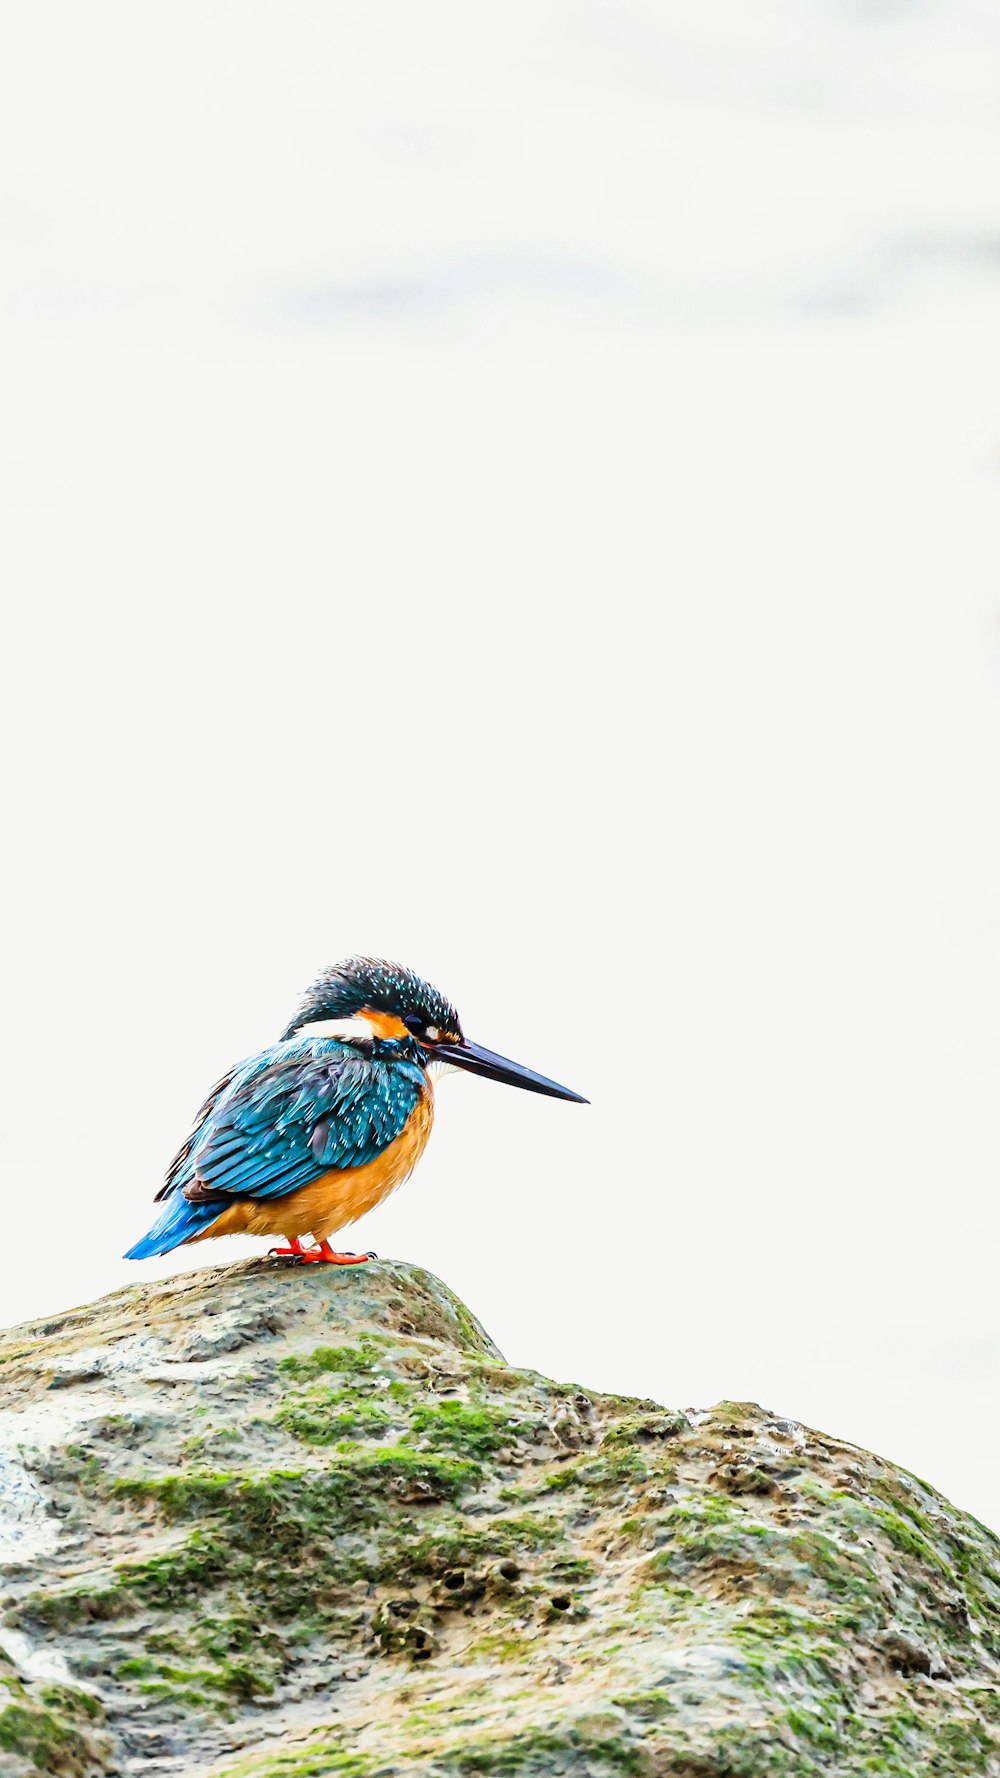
[312, 1133]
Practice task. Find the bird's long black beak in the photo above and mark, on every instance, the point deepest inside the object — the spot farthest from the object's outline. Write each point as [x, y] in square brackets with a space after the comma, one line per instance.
[477, 1060]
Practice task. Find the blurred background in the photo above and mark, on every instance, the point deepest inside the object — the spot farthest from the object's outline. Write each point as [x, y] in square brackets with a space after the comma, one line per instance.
[514, 488]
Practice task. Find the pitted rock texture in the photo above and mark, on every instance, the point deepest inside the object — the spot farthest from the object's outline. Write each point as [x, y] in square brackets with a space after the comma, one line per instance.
[275, 1522]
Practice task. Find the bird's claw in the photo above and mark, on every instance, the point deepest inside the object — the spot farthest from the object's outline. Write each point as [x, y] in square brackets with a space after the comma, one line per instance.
[323, 1253]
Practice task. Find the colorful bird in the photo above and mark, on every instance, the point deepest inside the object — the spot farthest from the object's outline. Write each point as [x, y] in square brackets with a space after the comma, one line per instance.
[312, 1133]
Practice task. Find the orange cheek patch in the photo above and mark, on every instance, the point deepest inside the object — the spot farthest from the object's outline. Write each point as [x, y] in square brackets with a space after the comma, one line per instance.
[384, 1024]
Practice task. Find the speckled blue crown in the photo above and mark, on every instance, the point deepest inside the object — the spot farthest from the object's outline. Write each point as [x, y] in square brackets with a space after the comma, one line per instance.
[342, 991]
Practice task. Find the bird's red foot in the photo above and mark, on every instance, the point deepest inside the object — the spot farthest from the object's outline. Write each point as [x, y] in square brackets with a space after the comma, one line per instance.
[324, 1254]
[294, 1250]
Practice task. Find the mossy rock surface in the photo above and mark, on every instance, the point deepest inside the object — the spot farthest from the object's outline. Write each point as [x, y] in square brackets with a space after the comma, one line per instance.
[277, 1522]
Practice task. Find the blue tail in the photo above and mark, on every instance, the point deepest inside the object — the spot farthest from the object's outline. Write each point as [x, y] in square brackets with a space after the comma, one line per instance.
[176, 1223]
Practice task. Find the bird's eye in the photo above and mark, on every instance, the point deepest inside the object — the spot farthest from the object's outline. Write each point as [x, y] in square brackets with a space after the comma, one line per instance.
[413, 1022]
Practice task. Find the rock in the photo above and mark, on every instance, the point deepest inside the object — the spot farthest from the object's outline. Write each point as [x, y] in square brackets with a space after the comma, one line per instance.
[271, 1520]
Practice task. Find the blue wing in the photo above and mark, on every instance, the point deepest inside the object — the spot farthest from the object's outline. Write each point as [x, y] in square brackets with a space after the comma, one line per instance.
[292, 1113]
[279, 1121]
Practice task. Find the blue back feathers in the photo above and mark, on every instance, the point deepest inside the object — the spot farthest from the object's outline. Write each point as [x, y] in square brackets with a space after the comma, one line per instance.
[279, 1121]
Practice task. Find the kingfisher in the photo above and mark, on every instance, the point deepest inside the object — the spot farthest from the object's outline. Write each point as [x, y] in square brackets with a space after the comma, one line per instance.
[312, 1133]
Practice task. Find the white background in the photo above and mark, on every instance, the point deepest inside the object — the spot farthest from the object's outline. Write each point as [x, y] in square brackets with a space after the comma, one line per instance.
[514, 488]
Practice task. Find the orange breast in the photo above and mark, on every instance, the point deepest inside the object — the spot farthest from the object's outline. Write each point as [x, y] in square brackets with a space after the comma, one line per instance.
[337, 1197]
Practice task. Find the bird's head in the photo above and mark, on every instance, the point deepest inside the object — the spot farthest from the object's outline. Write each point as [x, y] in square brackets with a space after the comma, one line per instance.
[369, 1002]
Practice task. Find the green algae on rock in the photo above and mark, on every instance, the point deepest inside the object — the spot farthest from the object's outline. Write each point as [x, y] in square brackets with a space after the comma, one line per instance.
[275, 1523]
